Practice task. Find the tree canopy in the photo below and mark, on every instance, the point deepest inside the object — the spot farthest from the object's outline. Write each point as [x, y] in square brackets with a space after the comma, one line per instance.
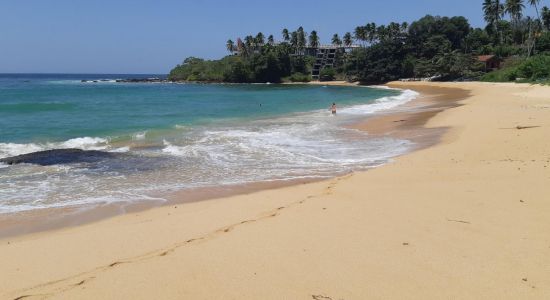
[439, 47]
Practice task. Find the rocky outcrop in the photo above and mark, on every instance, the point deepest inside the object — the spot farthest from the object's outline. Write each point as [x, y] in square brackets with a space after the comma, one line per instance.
[95, 80]
[59, 156]
[127, 80]
[137, 80]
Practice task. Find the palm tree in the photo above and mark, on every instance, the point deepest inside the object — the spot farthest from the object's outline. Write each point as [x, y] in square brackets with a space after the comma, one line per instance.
[313, 39]
[286, 35]
[489, 12]
[294, 39]
[515, 9]
[546, 17]
[531, 28]
[370, 33]
[404, 26]
[348, 40]
[535, 3]
[249, 44]
[381, 32]
[493, 11]
[230, 46]
[240, 45]
[242, 48]
[393, 30]
[271, 39]
[259, 39]
[361, 33]
[302, 39]
[336, 40]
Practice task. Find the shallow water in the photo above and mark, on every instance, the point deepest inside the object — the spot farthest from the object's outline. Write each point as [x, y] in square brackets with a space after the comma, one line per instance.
[179, 136]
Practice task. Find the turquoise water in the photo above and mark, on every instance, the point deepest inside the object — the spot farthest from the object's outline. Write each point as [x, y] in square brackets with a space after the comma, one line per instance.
[43, 109]
[178, 136]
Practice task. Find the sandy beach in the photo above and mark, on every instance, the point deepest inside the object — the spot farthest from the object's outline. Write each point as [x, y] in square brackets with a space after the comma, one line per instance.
[465, 217]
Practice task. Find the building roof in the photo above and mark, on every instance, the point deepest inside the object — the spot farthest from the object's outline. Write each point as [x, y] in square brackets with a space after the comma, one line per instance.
[485, 58]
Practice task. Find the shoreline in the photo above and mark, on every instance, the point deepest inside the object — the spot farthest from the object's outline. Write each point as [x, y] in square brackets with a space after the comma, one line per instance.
[43, 220]
[407, 121]
[466, 218]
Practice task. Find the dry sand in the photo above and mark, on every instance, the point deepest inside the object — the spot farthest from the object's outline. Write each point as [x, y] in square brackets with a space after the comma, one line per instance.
[468, 218]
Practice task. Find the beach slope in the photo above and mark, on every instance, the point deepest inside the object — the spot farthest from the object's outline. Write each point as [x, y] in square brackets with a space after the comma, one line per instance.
[468, 218]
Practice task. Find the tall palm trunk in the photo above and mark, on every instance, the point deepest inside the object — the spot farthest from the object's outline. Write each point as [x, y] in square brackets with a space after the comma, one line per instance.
[534, 42]
[539, 17]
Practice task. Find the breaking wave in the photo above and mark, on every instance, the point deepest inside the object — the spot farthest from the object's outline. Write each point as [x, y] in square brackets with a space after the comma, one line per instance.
[302, 145]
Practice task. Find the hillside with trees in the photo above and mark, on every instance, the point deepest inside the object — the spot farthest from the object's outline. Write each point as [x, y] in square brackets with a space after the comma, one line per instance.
[433, 47]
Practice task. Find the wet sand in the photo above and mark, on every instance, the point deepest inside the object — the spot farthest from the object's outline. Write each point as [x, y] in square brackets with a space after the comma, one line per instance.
[407, 121]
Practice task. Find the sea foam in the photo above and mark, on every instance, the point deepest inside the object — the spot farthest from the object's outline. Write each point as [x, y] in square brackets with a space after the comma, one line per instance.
[300, 145]
[384, 103]
[84, 143]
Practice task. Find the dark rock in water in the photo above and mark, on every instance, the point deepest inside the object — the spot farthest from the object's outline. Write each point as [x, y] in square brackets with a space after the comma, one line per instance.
[141, 80]
[128, 80]
[59, 156]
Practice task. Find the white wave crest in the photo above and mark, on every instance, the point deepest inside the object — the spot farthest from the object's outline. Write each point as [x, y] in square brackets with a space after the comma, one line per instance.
[383, 103]
[301, 145]
[120, 150]
[139, 136]
[13, 149]
[178, 150]
[84, 143]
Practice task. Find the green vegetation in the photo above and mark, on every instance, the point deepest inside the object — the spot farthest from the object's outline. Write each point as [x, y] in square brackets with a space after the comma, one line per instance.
[260, 68]
[439, 48]
[327, 74]
[535, 69]
[299, 77]
[197, 69]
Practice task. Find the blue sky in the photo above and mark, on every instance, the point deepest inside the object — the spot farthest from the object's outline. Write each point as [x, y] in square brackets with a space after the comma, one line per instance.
[140, 36]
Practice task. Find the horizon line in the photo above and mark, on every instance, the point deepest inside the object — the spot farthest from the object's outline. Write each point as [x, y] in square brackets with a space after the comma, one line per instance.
[60, 73]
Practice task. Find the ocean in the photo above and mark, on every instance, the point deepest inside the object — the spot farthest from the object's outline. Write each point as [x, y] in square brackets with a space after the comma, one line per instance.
[172, 137]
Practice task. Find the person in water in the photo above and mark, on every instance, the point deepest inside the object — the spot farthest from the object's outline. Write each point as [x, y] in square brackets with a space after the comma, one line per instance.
[333, 108]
